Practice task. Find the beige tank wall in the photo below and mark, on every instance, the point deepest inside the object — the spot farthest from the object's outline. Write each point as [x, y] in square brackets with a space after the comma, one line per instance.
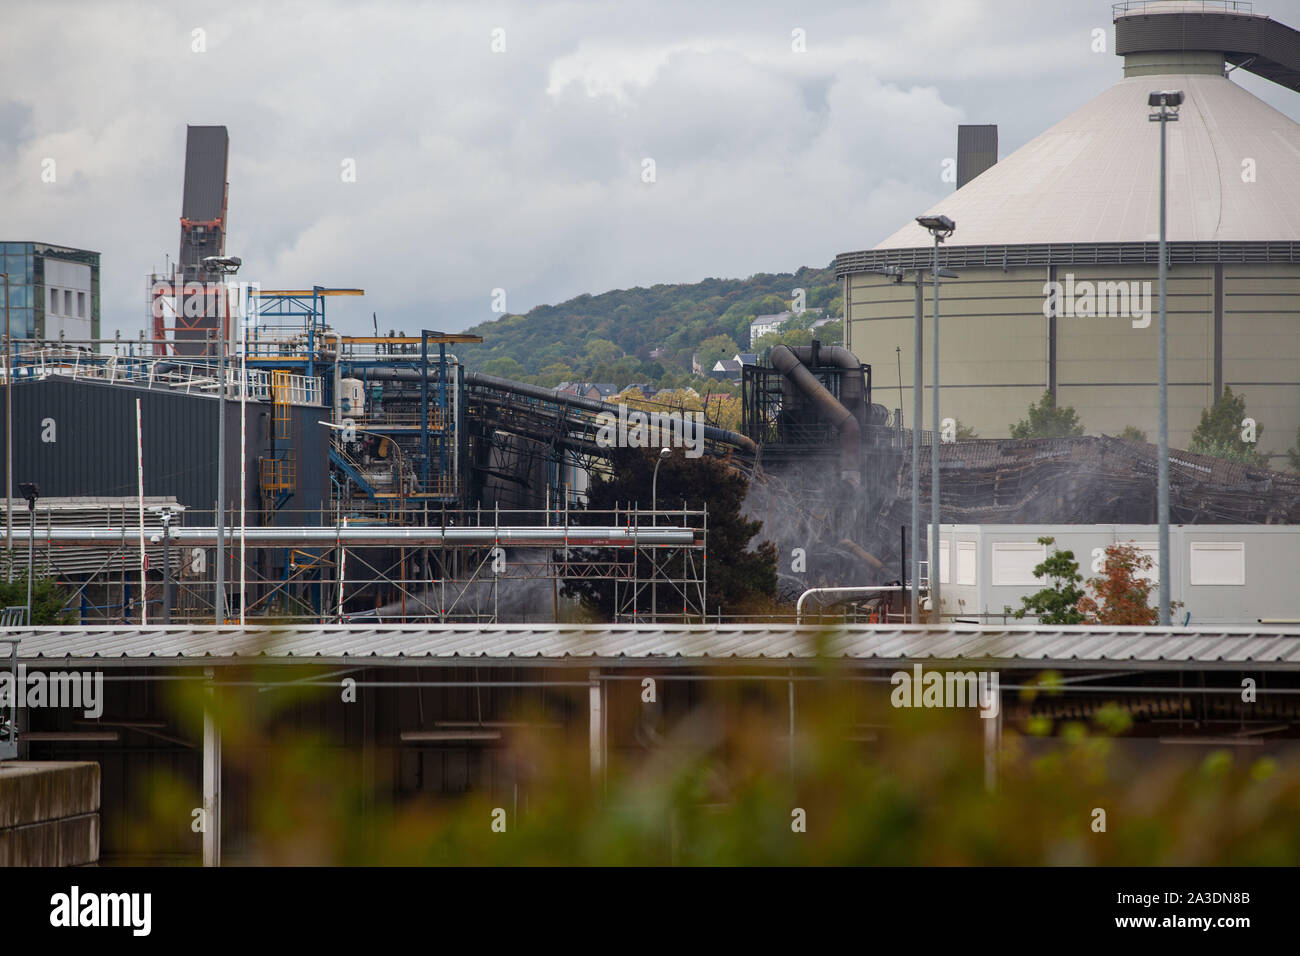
[992, 343]
[994, 347]
[1261, 348]
[1106, 367]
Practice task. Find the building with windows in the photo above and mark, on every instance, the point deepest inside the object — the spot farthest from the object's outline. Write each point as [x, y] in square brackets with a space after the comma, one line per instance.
[766, 324]
[53, 291]
[1220, 574]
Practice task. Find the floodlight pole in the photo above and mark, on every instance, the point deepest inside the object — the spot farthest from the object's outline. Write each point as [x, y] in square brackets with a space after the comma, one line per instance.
[31, 553]
[917, 371]
[1163, 117]
[941, 227]
[935, 602]
[219, 599]
[9, 440]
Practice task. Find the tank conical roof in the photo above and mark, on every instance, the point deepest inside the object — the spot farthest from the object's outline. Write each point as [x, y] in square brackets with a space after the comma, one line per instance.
[1094, 176]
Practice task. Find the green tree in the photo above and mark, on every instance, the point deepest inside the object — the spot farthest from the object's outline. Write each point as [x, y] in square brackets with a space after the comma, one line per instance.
[1046, 420]
[1220, 431]
[715, 348]
[1058, 603]
[1293, 454]
[738, 578]
[48, 600]
[505, 367]
[1132, 433]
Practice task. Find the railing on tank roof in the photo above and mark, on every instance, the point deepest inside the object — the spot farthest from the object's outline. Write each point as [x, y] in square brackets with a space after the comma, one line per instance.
[1181, 6]
[159, 372]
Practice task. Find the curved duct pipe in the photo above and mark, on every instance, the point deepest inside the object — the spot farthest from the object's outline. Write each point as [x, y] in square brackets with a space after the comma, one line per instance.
[711, 432]
[853, 388]
[786, 360]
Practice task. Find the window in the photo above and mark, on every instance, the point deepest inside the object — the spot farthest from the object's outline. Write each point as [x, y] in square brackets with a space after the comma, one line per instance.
[67, 302]
[54, 301]
[81, 304]
[1217, 563]
[1014, 563]
[966, 563]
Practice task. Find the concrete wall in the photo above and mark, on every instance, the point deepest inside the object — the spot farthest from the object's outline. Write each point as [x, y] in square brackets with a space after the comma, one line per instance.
[1233, 325]
[49, 813]
[1269, 555]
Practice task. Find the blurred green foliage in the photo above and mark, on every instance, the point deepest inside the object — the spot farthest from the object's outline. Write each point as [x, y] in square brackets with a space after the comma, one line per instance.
[875, 785]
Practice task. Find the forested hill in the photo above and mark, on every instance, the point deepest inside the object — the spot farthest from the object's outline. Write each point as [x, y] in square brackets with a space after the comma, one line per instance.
[610, 337]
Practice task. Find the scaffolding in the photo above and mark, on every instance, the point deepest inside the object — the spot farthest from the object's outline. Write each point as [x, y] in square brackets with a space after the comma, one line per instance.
[475, 565]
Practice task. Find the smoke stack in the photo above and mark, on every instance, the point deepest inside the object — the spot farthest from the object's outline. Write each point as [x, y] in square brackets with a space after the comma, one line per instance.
[977, 150]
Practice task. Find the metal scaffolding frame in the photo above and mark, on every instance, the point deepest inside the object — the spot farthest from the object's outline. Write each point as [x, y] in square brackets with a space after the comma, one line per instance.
[462, 567]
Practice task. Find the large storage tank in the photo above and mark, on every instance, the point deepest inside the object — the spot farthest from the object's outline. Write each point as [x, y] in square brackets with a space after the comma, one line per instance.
[1078, 205]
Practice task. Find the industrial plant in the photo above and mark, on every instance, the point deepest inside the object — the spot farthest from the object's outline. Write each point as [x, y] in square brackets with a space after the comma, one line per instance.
[247, 501]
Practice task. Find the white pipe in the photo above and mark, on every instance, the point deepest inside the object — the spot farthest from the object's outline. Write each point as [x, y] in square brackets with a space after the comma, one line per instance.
[343, 560]
[139, 474]
[358, 536]
[875, 589]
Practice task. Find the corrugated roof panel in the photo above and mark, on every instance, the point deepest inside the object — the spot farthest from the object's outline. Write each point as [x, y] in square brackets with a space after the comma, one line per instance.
[722, 644]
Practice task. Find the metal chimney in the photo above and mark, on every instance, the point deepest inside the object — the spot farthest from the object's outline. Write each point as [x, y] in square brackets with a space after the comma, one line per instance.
[977, 150]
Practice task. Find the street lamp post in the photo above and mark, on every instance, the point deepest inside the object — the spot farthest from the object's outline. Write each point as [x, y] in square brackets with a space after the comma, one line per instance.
[941, 227]
[31, 492]
[166, 515]
[664, 455]
[223, 266]
[9, 440]
[1168, 102]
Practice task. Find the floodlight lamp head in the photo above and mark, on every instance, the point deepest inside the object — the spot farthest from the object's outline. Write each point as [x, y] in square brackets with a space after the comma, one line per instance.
[941, 227]
[226, 265]
[1170, 98]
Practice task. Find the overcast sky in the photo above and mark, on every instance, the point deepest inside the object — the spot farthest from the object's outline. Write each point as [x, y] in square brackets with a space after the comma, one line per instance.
[521, 169]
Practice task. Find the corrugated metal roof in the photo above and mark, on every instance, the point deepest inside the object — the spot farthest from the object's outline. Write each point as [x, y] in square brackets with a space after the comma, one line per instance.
[727, 644]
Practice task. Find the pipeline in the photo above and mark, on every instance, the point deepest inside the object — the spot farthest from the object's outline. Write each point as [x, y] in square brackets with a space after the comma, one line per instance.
[788, 362]
[711, 432]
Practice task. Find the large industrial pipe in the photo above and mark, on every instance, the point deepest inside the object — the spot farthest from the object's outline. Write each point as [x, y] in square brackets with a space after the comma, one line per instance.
[378, 536]
[711, 432]
[785, 360]
[853, 387]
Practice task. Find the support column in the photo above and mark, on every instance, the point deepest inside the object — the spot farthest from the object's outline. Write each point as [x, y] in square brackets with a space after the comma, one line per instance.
[596, 725]
[992, 746]
[211, 783]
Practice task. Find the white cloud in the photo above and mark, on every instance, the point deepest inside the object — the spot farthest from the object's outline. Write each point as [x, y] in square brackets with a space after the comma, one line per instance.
[518, 170]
